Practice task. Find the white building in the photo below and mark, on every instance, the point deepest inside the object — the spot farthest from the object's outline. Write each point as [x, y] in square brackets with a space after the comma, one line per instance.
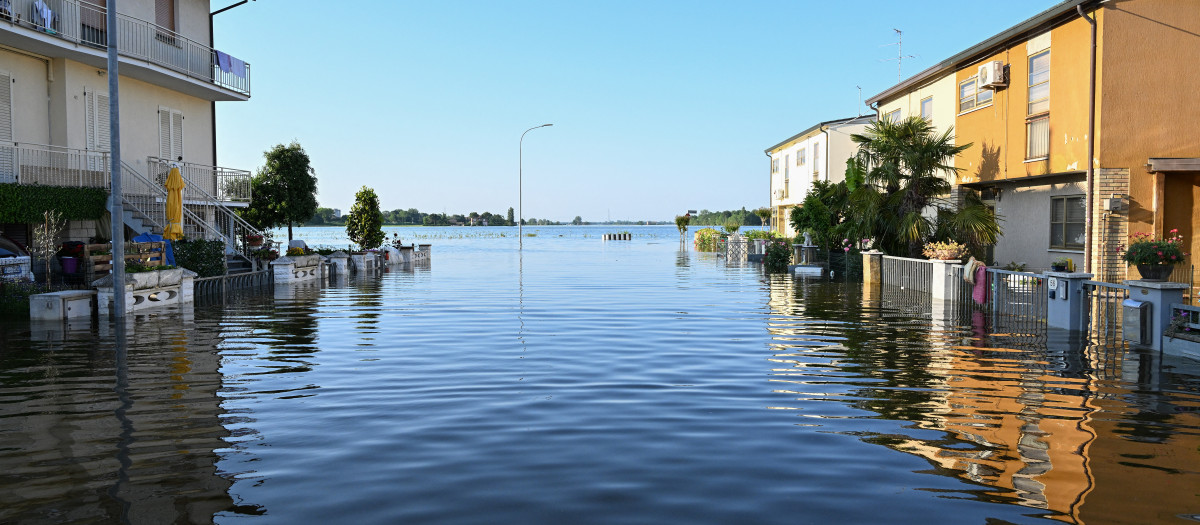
[817, 153]
[54, 107]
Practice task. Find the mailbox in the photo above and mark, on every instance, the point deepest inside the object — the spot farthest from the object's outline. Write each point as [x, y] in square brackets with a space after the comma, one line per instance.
[1135, 321]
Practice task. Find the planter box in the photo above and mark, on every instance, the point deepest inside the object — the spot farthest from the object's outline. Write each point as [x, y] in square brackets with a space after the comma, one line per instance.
[292, 269]
[145, 290]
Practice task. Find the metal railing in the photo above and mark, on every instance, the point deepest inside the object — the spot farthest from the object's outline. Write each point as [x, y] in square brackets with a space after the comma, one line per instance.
[53, 165]
[1103, 303]
[217, 288]
[1018, 300]
[225, 223]
[222, 184]
[85, 23]
[909, 274]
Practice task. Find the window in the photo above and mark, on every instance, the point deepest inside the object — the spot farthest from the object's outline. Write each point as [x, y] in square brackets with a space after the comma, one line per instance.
[1037, 123]
[1039, 83]
[1037, 133]
[786, 159]
[970, 96]
[170, 134]
[800, 156]
[927, 108]
[816, 162]
[164, 14]
[893, 115]
[1067, 215]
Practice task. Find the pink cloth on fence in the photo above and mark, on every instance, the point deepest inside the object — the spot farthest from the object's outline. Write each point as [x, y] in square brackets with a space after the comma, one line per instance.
[980, 293]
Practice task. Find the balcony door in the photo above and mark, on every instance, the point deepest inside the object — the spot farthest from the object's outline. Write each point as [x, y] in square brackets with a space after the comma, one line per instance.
[8, 168]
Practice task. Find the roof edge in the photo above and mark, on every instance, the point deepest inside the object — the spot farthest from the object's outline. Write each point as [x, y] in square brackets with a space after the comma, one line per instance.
[847, 120]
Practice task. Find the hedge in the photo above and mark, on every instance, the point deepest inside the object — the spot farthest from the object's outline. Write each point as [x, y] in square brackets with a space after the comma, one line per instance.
[22, 203]
[206, 258]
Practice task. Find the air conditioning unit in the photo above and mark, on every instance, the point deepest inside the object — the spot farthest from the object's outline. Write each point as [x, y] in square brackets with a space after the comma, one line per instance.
[991, 74]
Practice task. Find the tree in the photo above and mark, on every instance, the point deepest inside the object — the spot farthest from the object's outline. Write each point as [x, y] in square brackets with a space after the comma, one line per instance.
[364, 224]
[764, 215]
[681, 222]
[511, 218]
[285, 189]
[904, 163]
[45, 239]
[577, 221]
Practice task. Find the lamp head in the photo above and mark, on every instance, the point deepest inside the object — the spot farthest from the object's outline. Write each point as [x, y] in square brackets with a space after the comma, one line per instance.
[544, 125]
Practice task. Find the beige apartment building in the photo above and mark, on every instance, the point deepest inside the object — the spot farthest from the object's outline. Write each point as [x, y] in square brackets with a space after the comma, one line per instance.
[54, 108]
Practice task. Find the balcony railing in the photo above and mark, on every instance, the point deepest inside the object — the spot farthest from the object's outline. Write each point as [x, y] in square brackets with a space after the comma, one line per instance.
[53, 166]
[222, 184]
[85, 23]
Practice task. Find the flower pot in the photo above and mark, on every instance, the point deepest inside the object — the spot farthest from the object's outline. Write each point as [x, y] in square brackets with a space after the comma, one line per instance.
[1155, 272]
[1058, 267]
[69, 264]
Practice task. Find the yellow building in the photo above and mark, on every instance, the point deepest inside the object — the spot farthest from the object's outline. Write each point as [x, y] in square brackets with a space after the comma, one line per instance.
[1022, 98]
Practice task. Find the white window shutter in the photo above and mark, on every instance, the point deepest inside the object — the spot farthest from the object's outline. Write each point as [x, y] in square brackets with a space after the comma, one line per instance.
[164, 133]
[7, 165]
[102, 124]
[176, 135]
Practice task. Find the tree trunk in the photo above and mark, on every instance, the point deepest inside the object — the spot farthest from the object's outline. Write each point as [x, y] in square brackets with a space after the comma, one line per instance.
[289, 232]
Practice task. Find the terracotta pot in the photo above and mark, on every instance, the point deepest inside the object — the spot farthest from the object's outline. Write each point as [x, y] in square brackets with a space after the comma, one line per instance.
[1155, 272]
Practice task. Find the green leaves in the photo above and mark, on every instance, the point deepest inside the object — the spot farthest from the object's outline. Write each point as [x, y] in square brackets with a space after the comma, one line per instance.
[364, 224]
[206, 258]
[21, 203]
[285, 189]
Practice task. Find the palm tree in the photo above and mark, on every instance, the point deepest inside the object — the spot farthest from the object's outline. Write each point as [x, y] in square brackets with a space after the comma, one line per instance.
[906, 166]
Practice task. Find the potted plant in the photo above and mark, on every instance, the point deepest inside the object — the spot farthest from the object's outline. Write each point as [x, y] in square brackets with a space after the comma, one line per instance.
[1060, 264]
[254, 240]
[945, 251]
[1155, 257]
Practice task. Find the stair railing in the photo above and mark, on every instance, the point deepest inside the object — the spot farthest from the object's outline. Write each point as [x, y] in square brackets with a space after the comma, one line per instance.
[233, 226]
[150, 200]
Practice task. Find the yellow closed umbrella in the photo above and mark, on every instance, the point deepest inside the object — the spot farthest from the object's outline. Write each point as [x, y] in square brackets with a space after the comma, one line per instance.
[174, 229]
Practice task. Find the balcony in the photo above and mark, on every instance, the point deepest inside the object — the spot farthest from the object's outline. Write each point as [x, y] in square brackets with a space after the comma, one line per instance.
[225, 185]
[78, 30]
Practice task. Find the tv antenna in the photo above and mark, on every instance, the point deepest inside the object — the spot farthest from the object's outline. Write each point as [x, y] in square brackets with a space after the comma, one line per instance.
[900, 56]
[860, 102]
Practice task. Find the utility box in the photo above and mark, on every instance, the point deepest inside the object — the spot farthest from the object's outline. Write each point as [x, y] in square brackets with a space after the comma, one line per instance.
[1135, 321]
[58, 306]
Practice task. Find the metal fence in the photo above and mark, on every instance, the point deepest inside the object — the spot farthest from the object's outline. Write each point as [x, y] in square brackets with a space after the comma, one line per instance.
[217, 289]
[1103, 303]
[907, 274]
[85, 23]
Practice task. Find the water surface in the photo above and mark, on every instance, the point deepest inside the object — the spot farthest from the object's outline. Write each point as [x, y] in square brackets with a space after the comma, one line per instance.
[582, 381]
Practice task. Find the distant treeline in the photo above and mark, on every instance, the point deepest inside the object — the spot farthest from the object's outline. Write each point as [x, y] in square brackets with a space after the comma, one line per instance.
[718, 218]
[412, 216]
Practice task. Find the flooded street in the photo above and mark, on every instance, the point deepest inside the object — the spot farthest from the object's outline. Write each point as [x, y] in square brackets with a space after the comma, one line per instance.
[583, 381]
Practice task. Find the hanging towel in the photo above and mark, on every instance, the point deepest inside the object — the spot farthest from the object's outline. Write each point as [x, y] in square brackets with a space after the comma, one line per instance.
[44, 11]
[238, 67]
[980, 293]
[223, 61]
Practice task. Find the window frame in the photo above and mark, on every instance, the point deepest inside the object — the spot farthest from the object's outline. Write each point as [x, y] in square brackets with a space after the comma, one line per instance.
[928, 99]
[801, 156]
[1066, 199]
[892, 116]
[975, 95]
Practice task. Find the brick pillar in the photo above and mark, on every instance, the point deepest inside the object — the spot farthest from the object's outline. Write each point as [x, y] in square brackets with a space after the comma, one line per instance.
[1110, 227]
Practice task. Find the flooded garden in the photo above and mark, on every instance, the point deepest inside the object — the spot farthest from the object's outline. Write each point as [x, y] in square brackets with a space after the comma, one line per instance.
[584, 381]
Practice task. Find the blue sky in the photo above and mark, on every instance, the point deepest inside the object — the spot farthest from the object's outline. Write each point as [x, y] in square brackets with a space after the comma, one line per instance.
[658, 107]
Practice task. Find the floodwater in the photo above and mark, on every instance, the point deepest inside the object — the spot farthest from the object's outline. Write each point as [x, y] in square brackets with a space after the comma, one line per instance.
[582, 381]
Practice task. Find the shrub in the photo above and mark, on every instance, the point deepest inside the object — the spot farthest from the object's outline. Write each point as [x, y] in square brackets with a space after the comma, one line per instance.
[777, 256]
[761, 234]
[707, 239]
[206, 258]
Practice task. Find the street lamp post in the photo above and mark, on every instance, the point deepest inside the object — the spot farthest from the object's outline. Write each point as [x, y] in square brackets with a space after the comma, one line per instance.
[520, 189]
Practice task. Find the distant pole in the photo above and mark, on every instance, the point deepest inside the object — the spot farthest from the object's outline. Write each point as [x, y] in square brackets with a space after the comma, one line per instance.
[117, 209]
[520, 189]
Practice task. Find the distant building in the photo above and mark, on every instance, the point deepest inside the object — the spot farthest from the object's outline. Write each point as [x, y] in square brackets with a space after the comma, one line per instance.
[817, 153]
[337, 213]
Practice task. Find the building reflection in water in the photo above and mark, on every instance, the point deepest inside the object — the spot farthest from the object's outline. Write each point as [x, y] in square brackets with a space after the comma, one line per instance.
[97, 432]
[1044, 420]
